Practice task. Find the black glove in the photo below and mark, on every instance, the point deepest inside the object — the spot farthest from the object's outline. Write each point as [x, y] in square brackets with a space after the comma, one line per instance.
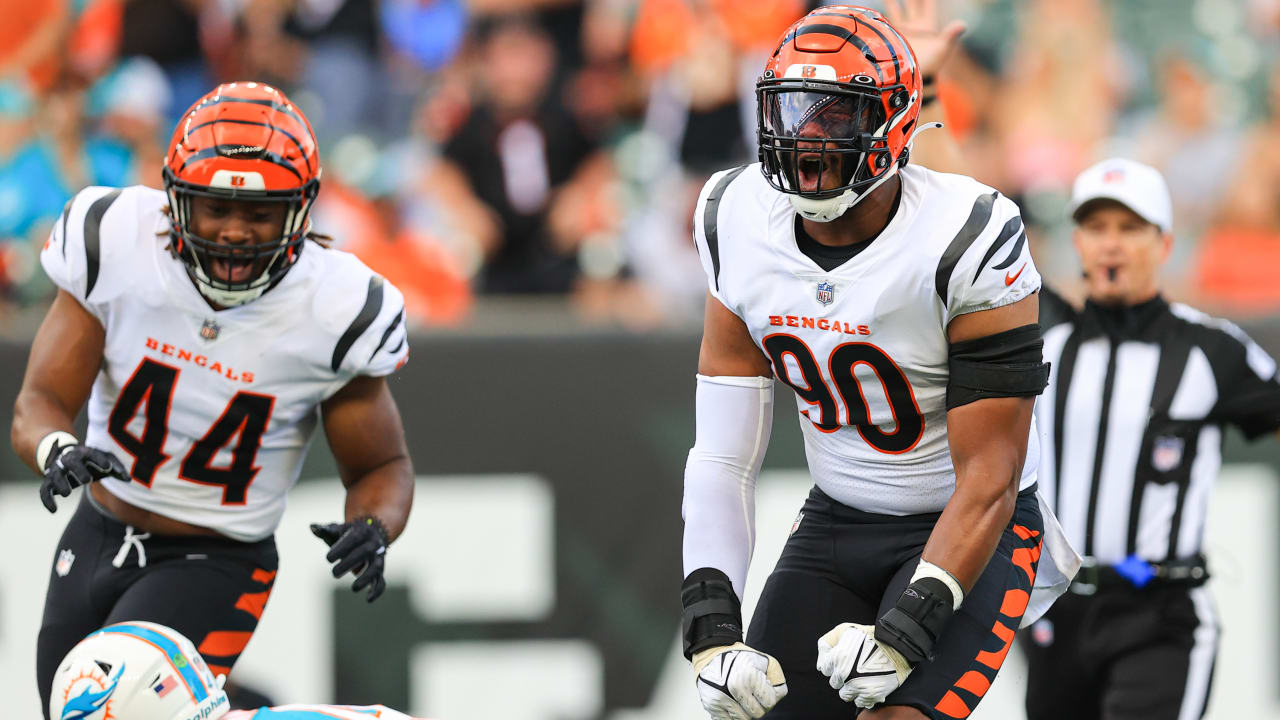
[70, 466]
[358, 547]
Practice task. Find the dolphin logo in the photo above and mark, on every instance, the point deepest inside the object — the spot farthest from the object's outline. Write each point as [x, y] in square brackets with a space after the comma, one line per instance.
[88, 702]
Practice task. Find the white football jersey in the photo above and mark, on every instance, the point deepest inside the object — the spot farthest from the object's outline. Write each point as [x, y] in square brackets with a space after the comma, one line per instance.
[319, 712]
[212, 412]
[865, 345]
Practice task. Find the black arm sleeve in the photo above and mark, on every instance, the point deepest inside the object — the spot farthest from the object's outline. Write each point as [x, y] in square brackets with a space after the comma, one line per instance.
[1245, 398]
[1007, 364]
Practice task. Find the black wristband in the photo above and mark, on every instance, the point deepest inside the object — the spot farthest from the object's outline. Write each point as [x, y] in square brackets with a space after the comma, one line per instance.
[712, 614]
[913, 625]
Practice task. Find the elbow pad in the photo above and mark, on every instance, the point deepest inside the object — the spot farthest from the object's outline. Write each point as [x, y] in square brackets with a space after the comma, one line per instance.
[1007, 364]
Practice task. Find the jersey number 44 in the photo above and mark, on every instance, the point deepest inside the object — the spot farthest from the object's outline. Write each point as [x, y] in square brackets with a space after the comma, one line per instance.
[152, 385]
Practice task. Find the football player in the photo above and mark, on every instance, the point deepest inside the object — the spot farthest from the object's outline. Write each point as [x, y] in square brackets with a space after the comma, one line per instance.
[147, 671]
[900, 306]
[209, 330]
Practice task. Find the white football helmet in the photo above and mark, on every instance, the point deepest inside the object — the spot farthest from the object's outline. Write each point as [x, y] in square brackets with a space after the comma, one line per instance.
[136, 671]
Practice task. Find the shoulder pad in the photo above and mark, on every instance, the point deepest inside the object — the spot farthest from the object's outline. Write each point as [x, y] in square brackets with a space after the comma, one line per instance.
[987, 263]
[363, 313]
[94, 248]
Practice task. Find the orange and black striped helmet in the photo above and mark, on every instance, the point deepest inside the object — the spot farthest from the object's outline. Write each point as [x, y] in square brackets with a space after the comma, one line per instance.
[242, 141]
[837, 104]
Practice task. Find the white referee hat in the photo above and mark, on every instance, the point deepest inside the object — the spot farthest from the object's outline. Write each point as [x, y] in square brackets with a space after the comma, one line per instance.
[1138, 187]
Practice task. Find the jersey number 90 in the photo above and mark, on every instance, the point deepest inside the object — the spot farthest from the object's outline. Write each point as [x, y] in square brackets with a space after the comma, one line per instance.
[247, 414]
[813, 389]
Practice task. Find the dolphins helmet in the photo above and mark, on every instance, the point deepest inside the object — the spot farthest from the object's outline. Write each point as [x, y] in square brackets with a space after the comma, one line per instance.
[136, 671]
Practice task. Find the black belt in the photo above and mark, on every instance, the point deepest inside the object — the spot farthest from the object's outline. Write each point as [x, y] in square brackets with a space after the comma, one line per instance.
[1135, 573]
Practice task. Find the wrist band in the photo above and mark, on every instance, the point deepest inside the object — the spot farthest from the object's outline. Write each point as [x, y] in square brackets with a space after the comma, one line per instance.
[59, 439]
[378, 527]
[928, 569]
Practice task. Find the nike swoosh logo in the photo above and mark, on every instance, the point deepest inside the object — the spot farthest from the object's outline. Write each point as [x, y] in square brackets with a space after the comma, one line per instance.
[1008, 279]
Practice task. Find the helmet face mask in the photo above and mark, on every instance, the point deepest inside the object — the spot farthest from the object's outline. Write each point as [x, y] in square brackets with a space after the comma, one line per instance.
[231, 274]
[820, 141]
[243, 142]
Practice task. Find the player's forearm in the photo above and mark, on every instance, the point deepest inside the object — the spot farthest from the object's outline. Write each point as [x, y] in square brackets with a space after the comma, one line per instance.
[969, 530]
[386, 493]
[35, 415]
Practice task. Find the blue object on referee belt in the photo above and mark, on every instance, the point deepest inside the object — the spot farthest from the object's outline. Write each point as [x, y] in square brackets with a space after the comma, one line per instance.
[1135, 570]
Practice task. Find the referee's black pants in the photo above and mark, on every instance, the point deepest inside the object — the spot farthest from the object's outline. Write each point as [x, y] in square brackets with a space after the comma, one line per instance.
[1123, 654]
[211, 589]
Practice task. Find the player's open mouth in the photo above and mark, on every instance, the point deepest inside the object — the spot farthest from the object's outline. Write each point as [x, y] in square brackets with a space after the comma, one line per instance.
[236, 270]
[809, 170]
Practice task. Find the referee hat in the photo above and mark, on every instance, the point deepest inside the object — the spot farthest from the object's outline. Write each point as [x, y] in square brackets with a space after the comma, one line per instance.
[1138, 187]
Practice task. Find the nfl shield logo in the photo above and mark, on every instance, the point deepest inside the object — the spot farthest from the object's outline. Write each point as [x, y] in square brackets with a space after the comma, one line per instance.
[796, 525]
[65, 559]
[209, 330]
[1042, 632]
[1167, 453]
[826, 293]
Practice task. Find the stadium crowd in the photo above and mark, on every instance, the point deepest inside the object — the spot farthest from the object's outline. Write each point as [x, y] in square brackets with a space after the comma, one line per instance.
[556, 147]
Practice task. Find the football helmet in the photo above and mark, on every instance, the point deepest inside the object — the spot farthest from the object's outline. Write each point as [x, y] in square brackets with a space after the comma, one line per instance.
[136, 671]
[836, 109]
[242, 141]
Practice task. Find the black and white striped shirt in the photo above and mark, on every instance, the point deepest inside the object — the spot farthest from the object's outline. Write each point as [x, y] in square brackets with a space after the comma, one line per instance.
[1131, 422]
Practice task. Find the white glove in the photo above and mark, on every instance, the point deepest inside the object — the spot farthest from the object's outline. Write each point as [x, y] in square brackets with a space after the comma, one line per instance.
[736, 683]
[863, 670]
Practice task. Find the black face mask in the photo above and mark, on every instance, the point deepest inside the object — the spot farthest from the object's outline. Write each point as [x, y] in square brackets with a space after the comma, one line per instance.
[821, 144]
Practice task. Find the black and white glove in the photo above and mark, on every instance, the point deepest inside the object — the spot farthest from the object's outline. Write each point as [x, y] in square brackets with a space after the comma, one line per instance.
[736, 682]
[358, 547]
[866, 663]
[864, 670]
[68, 465]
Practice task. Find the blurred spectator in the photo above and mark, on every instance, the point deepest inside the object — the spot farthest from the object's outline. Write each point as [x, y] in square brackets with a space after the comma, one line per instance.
[1186, 138]
[55, 160]
[433, 282]
[29, 40]
[518, 151]
[169, 32]
[1236, 267]
[342, 67]
[1058, 101]
[557, 146]
[131, 105]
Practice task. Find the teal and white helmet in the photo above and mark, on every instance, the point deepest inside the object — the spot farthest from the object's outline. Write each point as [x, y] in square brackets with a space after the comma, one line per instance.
[136, 671]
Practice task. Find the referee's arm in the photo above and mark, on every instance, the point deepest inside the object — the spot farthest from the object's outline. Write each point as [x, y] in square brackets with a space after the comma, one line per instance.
[988, 439]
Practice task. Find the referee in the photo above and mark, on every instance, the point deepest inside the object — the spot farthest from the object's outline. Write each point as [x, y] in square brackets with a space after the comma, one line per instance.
[1131, 425]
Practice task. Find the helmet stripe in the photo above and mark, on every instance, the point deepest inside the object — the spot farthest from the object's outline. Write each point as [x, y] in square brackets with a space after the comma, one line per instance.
[842, 33]
[256, 123]
[216, 150]
[287, 110]
[172, 652]
[897, 70]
